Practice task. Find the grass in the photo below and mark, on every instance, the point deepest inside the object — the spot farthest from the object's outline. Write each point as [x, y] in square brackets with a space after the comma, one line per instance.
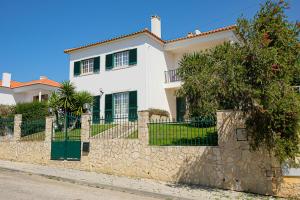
[40, 136]
[100, 128]
[163, 134]
[133, 135]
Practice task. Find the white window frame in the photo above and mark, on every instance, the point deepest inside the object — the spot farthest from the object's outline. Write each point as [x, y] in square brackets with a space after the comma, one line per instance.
[121, 105]
[121, 59]
[87, 66]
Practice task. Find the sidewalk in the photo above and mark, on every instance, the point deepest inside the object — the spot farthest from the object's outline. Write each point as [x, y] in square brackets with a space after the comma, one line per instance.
[145, 187]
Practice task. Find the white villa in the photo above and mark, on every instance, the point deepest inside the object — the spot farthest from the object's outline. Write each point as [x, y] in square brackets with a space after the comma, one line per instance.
[138, 71]
[13, 92]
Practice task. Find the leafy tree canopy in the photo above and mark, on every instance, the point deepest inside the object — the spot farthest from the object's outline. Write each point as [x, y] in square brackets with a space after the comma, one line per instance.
[255, 75]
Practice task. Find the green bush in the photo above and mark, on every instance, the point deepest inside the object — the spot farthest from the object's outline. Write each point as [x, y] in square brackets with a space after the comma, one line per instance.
[6, 110]
[32, 111]
[155, 111]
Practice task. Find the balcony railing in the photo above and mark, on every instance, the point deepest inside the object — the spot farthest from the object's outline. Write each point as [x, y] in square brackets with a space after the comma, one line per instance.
[172, 76]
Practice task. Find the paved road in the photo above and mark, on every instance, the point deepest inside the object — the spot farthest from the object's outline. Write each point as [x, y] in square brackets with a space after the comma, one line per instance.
[22, 186]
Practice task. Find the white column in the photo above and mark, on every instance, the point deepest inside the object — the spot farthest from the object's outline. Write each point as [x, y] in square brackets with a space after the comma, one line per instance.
[40, 96]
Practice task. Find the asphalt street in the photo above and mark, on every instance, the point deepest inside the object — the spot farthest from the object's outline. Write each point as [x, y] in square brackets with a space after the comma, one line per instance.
[23, 186]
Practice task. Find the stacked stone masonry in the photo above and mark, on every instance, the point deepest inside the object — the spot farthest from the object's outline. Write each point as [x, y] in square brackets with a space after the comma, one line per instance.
[230, 165]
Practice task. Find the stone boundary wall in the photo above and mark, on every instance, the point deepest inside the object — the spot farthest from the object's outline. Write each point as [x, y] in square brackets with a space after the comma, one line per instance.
[230, 165]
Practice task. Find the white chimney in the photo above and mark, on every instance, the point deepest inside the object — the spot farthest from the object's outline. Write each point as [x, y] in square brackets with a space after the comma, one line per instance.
[197, 32]
[43, 77]
[6, 78]
[156, 25]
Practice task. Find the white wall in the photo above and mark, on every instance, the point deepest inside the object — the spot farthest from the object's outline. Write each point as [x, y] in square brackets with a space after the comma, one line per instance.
[115, 80]
[23, 95]
[6, 97]
[157, 62]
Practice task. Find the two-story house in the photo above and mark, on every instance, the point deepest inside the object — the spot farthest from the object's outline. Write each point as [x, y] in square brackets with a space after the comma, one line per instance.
[138, 71]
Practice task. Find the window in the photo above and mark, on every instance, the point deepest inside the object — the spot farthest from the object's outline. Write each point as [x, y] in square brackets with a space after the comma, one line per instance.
[35, 98]
[44, 97]
[121, 104]
[121, 59]
[87, 66]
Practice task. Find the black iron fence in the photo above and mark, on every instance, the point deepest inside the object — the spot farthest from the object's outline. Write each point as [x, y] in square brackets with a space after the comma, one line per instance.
[114, 127]
[33, 130]
[195, 132]
[6, 126]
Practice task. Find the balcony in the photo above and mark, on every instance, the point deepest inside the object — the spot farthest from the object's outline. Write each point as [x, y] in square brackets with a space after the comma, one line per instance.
[172, 79]
[172, 76]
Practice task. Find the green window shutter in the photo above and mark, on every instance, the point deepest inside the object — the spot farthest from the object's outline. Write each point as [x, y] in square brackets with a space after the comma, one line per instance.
[109, 62]
[108, 108]
[96, 64]
[133, 57]
[96, 109]
[132, 105]
[77, 68]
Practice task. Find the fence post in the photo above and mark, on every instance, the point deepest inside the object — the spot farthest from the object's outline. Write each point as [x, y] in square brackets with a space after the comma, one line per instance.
[143, 119]
[85, 126]
[49, 128]
[17, 127]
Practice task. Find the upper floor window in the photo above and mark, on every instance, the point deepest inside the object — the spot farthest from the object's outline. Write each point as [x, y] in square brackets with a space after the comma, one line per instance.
[87, 66]
[121, 59]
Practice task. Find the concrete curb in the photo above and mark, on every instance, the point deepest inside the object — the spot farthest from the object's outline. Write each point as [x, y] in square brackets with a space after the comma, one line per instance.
[102, 186]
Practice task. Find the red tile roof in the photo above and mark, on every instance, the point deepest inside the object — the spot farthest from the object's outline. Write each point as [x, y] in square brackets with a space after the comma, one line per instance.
[15, 84]
[113, 39]
[232, 27]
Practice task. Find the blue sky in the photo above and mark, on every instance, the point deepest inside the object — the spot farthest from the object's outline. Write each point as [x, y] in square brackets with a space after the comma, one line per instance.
[34, 33]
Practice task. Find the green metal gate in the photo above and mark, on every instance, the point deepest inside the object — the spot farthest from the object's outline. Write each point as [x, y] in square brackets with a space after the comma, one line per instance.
[66, 138]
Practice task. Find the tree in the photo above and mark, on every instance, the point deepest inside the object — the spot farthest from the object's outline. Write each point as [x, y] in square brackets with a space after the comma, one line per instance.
[255, 76]
[66, 96]
[67, 101]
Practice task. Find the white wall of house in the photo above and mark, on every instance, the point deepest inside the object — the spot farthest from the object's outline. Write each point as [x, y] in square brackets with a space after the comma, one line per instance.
[6, 97]
[116, 80]
[23, 94]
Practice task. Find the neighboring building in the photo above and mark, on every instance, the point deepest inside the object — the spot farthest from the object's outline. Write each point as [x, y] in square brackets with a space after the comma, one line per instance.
[13, 92]
[138, 71]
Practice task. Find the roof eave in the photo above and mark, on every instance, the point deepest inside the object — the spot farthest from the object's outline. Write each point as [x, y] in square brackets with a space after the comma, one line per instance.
[145, 31]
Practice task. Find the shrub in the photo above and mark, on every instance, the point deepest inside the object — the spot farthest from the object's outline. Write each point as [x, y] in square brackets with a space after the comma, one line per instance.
[159, 112]
[6, 110]
[32, 111]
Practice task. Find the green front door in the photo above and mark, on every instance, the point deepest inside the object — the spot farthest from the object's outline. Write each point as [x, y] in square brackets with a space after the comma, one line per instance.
[66, 138]
[180, 108]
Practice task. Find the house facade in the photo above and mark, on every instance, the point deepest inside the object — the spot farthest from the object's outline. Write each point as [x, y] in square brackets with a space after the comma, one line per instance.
[138, 71]
[13, 92]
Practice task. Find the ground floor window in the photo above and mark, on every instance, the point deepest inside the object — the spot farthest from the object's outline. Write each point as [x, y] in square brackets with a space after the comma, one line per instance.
[121, 104]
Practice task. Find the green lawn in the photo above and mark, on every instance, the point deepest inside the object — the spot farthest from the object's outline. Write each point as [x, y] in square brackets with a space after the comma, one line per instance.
[182, 134]
[133, 135]
[40, 136]
[100, 128]
[72, 135]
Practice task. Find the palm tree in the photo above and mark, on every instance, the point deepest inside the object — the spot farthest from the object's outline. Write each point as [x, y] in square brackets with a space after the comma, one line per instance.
[69, 101]
[81, 98]
[66, 96]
